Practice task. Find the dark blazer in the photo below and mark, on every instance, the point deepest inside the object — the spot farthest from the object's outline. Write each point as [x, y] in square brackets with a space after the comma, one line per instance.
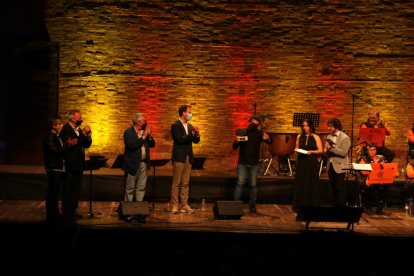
[75, 154]
[53, 150]
[132, 153]
[183, 143]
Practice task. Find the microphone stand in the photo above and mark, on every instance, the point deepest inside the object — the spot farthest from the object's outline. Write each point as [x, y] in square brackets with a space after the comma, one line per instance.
[353, 114]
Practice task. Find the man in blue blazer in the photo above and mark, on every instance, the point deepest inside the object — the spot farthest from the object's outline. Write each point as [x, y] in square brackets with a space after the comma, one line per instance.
[184, 135]
[336, 149]
[137, 139]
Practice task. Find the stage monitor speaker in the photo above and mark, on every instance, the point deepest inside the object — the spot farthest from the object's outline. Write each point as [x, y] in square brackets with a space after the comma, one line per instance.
[349, 215]
[133, 208]
[228, 209]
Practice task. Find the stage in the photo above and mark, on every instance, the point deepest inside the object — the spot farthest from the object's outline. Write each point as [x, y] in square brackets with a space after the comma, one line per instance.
[264, 243]
[194, 244]
[270, 241]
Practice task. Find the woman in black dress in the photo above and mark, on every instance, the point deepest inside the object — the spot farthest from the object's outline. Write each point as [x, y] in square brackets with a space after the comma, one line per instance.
[309, 148]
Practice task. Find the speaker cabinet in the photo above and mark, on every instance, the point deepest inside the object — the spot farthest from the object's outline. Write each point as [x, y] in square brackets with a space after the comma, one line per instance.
[133, 208]
[228, 209]
[349, 215]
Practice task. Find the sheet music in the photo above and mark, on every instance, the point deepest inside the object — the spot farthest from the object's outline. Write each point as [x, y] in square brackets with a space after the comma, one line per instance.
[302, 151]
[362, 167]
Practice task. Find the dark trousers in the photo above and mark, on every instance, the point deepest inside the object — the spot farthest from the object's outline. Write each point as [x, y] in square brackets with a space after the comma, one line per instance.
[55, 182]
[71, 192]
[337, 184]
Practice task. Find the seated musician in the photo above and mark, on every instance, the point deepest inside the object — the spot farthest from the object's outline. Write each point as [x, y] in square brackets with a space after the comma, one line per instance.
[375, 122]
[371, 196]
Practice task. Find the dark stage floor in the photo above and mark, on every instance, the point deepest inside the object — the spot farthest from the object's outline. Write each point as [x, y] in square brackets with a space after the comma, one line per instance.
[267, 243]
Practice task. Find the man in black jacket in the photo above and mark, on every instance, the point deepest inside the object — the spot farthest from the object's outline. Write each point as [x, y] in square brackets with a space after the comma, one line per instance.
[184, 135]
[248, 163]
[53, 151]
[74, 161]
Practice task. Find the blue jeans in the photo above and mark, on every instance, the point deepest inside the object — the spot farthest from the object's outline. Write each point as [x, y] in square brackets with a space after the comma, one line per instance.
[245, 172]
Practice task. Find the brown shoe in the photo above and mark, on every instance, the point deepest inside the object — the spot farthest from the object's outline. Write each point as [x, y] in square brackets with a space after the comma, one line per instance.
[187, 209]
[174, 210]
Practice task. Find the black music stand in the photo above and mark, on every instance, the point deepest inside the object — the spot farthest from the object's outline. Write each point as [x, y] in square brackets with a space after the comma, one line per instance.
[299, 117]
[354, 168]
[92, 165]
[156, 163]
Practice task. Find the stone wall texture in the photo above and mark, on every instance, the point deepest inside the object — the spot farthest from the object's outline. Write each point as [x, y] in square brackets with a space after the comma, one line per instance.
[226, 58]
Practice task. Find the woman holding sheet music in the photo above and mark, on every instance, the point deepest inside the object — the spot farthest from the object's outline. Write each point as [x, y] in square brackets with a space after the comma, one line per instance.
[309, 147]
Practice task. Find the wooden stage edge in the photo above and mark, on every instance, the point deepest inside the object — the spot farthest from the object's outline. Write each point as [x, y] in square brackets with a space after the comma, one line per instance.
[269, 219]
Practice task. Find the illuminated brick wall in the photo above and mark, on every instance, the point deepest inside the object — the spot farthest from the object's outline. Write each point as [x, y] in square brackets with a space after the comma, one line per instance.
[121, 57]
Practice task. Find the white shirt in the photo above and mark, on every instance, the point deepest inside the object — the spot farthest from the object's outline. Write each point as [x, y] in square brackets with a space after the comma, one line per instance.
[185, 126]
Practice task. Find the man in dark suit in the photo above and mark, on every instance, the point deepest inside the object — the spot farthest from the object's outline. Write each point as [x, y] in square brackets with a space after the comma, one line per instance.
[74, 161]
[184, 135]
[137, 139]
[53, 152]
[336, 149]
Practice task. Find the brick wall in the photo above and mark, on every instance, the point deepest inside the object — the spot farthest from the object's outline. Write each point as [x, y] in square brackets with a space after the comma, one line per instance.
[121, 57]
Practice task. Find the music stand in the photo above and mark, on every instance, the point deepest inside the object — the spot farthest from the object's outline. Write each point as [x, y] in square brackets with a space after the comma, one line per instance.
[374, 136]
[118, 162]
[92, 165]
[299, 117]
[354, 168]
[382, 173]
[156, 163]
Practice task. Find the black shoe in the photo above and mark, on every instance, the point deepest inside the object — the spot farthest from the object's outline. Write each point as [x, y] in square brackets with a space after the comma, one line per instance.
[252, 209]
[135, 219]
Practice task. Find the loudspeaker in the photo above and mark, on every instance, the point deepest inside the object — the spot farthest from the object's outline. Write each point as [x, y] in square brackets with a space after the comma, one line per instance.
[228, 209]
[349, 215]
[133, 208]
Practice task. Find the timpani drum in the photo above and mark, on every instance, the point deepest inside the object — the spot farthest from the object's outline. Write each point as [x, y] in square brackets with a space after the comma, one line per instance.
[283, 145]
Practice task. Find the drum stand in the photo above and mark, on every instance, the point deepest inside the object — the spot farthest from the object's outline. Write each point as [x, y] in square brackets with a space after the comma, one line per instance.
[271, 161]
